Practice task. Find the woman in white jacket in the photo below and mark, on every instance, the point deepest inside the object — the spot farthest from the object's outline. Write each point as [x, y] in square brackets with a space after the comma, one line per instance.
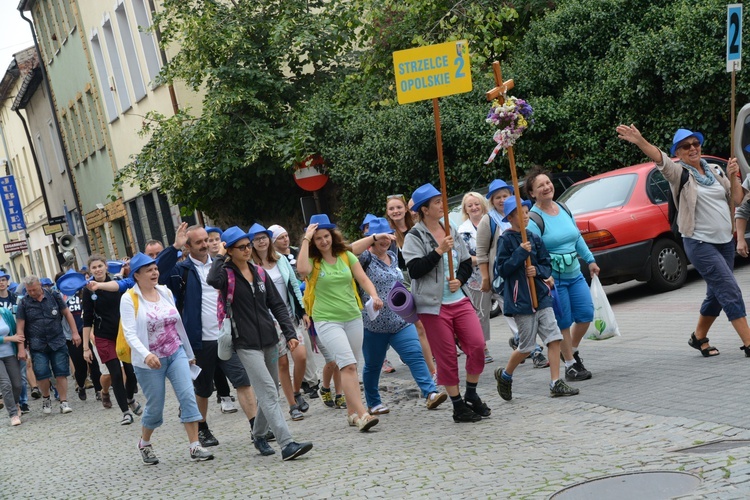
[160, 351]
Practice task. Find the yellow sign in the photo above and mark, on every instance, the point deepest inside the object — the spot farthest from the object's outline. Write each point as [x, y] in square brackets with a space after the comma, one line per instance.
[52, 228]
[432, 71]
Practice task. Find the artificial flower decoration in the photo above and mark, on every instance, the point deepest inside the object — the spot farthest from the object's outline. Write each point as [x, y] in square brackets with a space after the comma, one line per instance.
[511, 117]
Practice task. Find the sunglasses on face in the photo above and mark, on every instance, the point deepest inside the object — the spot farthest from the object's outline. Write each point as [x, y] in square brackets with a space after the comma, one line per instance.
[692, 144]
[242, 248]
[395, 197]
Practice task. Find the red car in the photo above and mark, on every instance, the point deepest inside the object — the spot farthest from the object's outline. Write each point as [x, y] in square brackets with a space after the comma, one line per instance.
[622, 216]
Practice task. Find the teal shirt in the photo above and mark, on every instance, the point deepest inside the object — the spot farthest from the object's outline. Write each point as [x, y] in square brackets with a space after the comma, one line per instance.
[563, 241]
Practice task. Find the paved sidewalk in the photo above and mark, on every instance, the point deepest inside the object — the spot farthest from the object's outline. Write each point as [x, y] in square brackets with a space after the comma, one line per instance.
[651, 394]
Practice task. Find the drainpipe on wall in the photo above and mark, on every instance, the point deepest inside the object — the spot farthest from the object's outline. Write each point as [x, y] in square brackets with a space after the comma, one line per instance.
[45, 81]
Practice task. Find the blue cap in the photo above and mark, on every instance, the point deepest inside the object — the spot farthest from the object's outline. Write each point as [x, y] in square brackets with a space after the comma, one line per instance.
[211, 229]
[497, 185]
[138, 261]
[368, 218]
[379, 225]
[46, 282]
[232, 235]
[510, 206]
[256, 229]
[114, 266]
[5, 275]
[423, 194]
[322, 221]
[683, 134]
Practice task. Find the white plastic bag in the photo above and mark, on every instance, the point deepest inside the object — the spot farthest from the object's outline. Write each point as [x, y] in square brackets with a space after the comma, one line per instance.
[604, 325]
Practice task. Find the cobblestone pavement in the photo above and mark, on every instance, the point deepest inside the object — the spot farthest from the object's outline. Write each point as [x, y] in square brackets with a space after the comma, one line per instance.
[651, 395]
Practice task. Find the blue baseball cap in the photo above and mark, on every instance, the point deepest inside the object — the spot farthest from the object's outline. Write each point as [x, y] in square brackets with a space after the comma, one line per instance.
[138, 261]
[497, 185]
[683, 134]
[232, 235]
[510, 206]
[423, 194]
[379, 225]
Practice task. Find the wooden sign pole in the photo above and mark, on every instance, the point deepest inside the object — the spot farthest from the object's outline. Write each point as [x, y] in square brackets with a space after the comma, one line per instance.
[501, 88]
[443, 187]
[733, 179]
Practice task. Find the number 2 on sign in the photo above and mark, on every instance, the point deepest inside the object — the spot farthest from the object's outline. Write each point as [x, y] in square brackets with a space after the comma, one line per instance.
[734, 32]
[459, 62]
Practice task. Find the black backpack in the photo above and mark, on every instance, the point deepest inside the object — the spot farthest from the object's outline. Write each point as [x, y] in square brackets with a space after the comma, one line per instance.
[540, 221]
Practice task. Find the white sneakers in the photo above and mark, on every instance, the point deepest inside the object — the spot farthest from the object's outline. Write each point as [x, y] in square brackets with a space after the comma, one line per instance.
[64, 408]
[227, 405]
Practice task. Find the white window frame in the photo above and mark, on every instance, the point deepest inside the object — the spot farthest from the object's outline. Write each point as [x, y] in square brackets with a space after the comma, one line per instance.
[42, 156]
[131, 57]
[118, 74]
[101, 71]
[148, 40]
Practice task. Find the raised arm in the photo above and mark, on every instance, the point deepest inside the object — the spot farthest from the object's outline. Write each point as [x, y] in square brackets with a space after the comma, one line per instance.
[631, 134]
[303, 258]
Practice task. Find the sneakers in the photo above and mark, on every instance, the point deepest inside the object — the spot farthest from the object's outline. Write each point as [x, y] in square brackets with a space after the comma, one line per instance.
[579, 360]
[301, 403]
[207, 439]
[327, 397]
[294, 450]
[435, 399]
[81, 393]
[135, 407]
[227, 405]
[388, 367]
[147, 455]
[379, 409]
[340, 402]
[504, 387]
[577, 373]
[296, 413]
[47, 406]
[127, 418]
[24, 408]
[15, 420]
[200, 454]
[363, 423]
[539, 360]
[487, 358]
[311, 390]
[36, 393]
[462, 413]
[65, 407]
[562, 389]
[261, 444]
[478, 406]
[106, 401]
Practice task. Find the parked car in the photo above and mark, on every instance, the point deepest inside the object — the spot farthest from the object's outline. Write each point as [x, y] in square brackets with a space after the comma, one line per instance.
[622, 216]
[561, 180]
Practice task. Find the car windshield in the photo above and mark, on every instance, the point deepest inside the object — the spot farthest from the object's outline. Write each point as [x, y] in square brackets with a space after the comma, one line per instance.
[599, 194]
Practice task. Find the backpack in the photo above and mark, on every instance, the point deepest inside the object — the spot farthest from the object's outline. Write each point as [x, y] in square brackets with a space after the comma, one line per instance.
[311, 281]
[228, 330]
[540, 221]
[122, 348]
[671, 206]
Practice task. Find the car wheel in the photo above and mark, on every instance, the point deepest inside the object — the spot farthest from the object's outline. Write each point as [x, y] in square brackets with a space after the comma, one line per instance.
[668, 266]
[495, 309]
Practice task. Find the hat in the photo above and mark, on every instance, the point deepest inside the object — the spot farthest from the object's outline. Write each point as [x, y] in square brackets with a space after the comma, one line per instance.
[46, 282]
[497, 185]
[322, 221]
[277, 231]
[114, 266]
[683, 134]
[211, 229]
[84, 268]
[13, 287]
[379, 225]
[423, 194]
[138, 261]
[5, 275]
[233, 235]
[70, 282]
[368, 218]
[256, 229]
[510, 206]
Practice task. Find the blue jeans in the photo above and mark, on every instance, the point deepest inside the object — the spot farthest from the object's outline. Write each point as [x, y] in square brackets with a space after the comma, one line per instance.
[575, 302]
[406, 343]
[58, 359]
[153, 382]
[715, 263]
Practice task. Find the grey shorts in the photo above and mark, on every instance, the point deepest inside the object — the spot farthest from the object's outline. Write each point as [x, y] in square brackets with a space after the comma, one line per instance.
[208, 358]
[283, 346]
[541, 323]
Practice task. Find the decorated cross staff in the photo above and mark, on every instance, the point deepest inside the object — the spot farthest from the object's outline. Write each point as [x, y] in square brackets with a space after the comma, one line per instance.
[510, 115]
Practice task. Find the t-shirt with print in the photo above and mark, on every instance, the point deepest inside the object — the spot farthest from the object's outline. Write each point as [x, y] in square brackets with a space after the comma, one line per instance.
[75, 305]
[8, 302]
[162, 318]
[334, 294]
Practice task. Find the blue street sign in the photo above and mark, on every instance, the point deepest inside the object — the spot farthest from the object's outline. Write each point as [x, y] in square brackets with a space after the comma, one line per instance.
[11, 204]
[734, 37]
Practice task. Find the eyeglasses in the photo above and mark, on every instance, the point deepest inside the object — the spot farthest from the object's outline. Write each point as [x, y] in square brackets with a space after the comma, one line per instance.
[693, 144]
[260, 238]
[242, 248]
[395, 196]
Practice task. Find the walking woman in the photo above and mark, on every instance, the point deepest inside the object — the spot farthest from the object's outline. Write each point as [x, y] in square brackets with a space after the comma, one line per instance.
[101, 312]
[332, 301]
[160, 350]
[704, 221]
[401, 221]
[442, 305]
[10, 367]
[255, 339]
[284, 278]
[389, 329]
[473, 208]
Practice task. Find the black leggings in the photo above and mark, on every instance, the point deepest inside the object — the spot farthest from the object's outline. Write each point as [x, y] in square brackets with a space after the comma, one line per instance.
[82, 368]
[220, 381]
[123, 392]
